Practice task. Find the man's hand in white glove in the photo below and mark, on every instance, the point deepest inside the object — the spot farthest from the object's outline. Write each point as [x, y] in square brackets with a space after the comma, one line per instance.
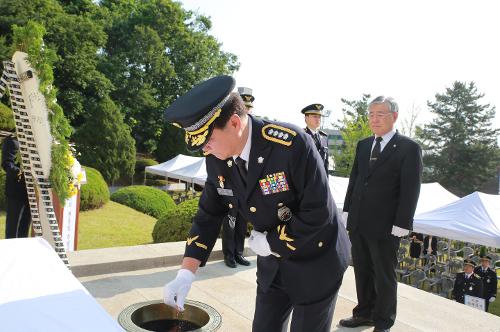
[399, 232]
[258, 243]
[492, 299]
[175, 292]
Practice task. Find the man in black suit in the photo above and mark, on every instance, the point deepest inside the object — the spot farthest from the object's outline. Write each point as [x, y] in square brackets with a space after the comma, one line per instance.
[18, 218]
[430, 245]
[272, 175]
[490, 281]
[312, 117]
[381, 200]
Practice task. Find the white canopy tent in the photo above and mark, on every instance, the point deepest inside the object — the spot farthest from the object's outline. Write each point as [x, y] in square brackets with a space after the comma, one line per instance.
[474, 218]
[195, 173]
[432, 195]
[338, 188]
[173, 164]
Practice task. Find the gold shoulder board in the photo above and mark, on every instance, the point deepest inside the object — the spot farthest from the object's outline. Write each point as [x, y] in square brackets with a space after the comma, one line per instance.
[278, 134]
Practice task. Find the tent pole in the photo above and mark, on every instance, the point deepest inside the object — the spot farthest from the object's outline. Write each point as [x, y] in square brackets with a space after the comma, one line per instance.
[144, 182]
[449, 255]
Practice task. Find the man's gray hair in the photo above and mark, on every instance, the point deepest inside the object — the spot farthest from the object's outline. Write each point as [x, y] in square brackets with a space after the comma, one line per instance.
[389, 101]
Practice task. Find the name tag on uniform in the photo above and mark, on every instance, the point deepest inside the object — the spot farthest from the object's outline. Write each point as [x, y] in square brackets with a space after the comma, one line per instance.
[225, 192]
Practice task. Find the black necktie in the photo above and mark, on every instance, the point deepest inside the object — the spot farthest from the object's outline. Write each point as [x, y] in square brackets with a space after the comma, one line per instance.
[375, 152]
[317, 139]
[242, 169]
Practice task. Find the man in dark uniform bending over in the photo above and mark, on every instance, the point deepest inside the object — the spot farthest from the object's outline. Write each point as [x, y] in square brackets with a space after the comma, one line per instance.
[271, 174]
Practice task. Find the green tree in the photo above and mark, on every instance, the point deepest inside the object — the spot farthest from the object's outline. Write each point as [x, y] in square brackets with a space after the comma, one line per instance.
[155, 52]
[76, 36]
[105, 143]
[171, 143]
[353, 128]
[460, 146]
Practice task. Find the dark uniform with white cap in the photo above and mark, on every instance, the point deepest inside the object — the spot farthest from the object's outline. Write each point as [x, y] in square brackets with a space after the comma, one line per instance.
[286, 196]
[234, 228]
[320, 138]
[467, 285]
[490, 281]
[247, 96]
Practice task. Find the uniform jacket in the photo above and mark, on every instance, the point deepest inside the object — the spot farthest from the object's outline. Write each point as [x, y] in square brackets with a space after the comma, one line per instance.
[489, 281]
[15, 186]
[385, 195]
[287, 195]
[321, 145]
[472, 286]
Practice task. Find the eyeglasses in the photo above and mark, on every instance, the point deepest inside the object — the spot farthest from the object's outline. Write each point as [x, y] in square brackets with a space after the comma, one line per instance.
[378, 115]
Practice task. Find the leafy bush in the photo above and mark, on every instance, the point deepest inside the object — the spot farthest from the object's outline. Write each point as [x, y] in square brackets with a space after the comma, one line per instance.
[175, 224]
[151, 201]
[190, 206]
[95, 192]
[6, 118]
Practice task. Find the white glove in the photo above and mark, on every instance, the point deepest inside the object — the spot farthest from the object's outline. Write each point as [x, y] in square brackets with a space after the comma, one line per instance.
[258, 243]
[175, 292]
[492, 299]
[399, 232]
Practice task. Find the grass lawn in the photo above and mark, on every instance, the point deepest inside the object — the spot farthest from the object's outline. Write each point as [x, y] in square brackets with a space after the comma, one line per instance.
[2, 225]
[113, 225]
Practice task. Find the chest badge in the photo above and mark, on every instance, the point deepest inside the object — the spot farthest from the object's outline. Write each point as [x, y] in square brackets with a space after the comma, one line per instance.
[284, 213]
[221, 181]
[274, 183]
[260, 160]
[229, 163]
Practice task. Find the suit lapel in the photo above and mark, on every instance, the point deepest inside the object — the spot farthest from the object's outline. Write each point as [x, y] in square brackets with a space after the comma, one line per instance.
[389, 148]
[315, 140]
[259, 153]
[364, 160]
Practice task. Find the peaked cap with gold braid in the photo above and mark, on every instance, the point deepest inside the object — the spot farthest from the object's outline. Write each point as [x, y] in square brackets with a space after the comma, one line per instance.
[313, 109]
[197, 110]
[246, 95]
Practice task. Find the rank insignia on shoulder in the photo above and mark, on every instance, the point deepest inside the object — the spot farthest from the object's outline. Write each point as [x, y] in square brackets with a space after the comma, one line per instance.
[274, 183]
[278, 134]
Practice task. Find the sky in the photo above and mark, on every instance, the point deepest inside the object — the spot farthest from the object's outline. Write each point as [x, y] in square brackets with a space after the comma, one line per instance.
[295, 53]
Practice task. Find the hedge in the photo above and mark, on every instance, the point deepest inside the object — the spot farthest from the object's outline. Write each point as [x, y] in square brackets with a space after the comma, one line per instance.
[176, 223]
[148, 200]
[95, 192]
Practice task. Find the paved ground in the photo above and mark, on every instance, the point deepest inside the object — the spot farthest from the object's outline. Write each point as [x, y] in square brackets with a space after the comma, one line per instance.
[232, 291]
